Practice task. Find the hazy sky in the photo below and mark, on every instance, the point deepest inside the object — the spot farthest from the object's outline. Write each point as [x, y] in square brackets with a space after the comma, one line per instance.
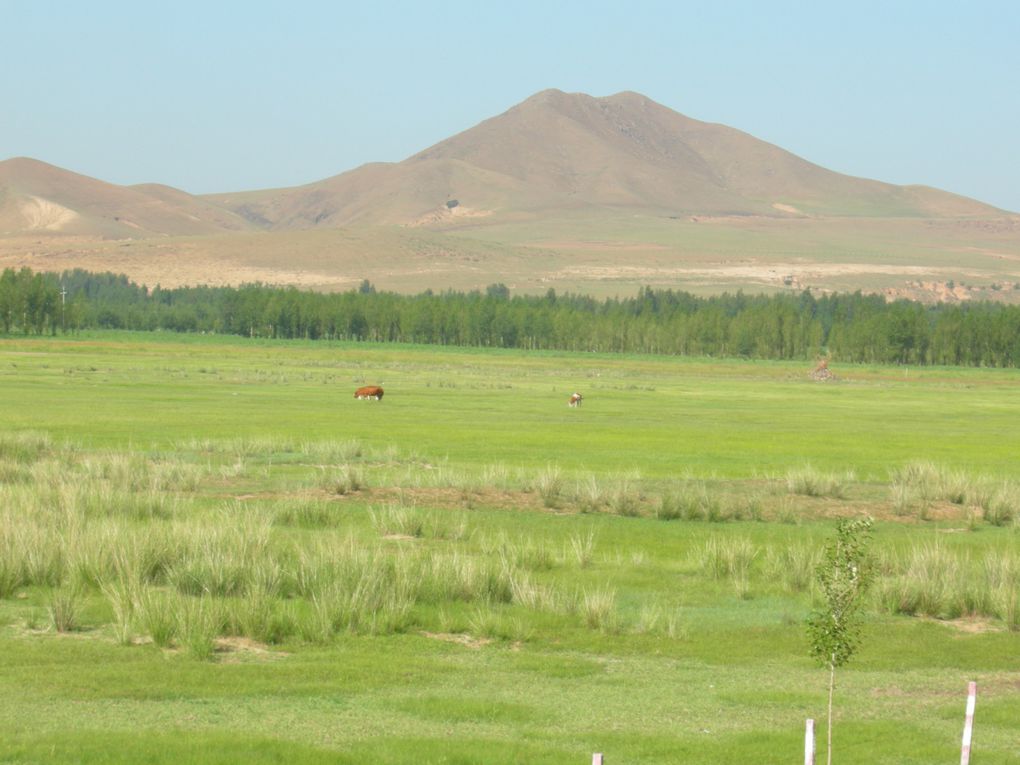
[224, 96]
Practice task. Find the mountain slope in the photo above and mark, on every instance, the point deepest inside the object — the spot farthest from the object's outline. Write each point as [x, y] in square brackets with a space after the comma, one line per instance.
[559, 152]
[37, 197]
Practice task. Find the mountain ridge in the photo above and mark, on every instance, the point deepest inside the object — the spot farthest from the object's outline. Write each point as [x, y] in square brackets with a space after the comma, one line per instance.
[564, 151]
[554, 153]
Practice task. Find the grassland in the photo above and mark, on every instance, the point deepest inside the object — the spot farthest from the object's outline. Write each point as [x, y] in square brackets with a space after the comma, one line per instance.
[603, 255]
[210, 552]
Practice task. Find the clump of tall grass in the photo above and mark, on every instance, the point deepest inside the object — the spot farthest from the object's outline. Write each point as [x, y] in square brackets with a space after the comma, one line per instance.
[400, 519]
[598, 608]
[523, 552]
[1001, 506]
[927, 482]
[25, 447]
[495, 625]
[199, 621]
[306, 514]
[461, 577]
[654, 618]
[235, 469]
[793, 565]
[932, 580]
[625, 497]
[905, 498]
[497, 476]
[591, 494]
[378, 604]
[65, 606]
[583, 548]
[421, 474]
[248, 447]
[175, 475]
[526, 592]
[549, 484]
[810, 482]
[102, 499]
[343, 479]
[14, 471]
[122, 593]
[226, 555]
[728, 558]
[260, 615]
[333, 452]
[692, 501]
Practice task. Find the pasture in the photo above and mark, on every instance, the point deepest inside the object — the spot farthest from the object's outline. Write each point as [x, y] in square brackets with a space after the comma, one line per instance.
[210, 551]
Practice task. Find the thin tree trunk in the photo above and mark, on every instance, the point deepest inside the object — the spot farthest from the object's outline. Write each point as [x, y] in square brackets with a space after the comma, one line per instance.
[828, 732]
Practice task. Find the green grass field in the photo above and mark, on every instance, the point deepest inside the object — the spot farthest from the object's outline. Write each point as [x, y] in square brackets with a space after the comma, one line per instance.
[210, 552]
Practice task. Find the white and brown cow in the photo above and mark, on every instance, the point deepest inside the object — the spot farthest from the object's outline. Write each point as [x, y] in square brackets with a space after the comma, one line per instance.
[575, 400]
[369, 391]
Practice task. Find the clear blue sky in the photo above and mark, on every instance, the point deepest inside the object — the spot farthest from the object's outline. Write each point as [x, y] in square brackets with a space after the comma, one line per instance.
[224, 96]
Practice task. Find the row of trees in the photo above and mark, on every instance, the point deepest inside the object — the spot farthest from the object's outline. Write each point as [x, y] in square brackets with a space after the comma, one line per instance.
[850, 327]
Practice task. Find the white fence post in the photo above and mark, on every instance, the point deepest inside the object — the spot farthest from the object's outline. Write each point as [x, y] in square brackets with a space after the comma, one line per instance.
[809, 743]
[968, 725]
[596, 759]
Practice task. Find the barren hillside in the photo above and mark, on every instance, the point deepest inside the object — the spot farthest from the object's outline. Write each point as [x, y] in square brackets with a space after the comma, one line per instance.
[565, 152]
[39, 198]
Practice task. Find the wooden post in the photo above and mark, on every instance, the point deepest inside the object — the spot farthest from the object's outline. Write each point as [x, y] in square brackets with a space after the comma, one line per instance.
[596, 759]
[968, 725]
[809, 743]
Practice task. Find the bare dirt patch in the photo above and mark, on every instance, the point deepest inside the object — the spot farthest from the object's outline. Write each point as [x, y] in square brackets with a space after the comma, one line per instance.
[599, 246]
[786, 208]
[970, 625]
[458, 638]
[42, 215]
[447, 214]
[234, 650]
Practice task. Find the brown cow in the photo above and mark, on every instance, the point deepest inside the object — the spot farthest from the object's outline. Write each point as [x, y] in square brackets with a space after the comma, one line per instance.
[575, 400]
[369, 391]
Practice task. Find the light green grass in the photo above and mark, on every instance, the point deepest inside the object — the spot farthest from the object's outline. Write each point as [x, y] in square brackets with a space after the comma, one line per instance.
[661, 416]
[441, 610]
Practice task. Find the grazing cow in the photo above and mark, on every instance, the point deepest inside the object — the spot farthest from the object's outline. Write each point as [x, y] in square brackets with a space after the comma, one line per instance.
[575, 400]
[369, 391]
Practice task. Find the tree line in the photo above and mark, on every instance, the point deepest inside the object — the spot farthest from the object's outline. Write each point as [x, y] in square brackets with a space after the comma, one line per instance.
[849, 327]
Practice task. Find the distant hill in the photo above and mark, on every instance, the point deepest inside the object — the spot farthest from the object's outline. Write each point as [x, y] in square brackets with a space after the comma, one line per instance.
[39, 198]
[593, 195]
[566, 152]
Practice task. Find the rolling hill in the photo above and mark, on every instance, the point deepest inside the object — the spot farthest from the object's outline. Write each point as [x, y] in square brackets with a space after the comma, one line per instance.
[564, 190]
[559, 153]
[36, 197]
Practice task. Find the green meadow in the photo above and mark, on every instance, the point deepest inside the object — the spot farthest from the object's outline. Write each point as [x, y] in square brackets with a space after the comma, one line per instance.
[211, 552]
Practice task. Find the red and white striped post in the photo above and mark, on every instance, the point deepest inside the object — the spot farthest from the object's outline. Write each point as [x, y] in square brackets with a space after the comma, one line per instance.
[809, 743]
[596, 759]
[968, 726]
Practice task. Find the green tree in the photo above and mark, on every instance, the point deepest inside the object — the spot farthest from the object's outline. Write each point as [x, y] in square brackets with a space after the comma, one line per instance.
[844, 575]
